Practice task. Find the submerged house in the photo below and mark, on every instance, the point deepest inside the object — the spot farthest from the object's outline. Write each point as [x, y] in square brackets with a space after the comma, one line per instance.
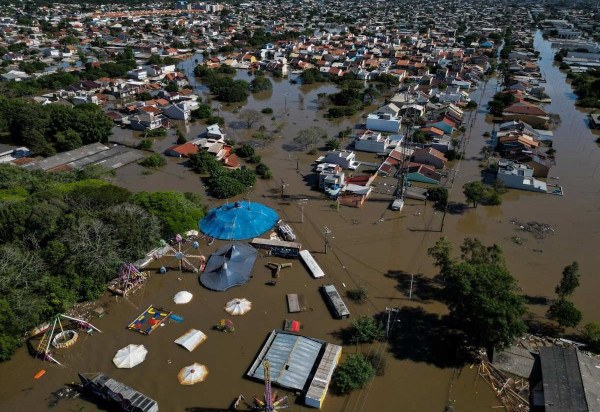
[519, 176]
[385, 119]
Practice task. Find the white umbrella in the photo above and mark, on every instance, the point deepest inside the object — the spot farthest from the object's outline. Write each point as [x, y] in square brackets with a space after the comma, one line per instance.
[238, 306]
[182, 297]
[130, 356]
[192, 374]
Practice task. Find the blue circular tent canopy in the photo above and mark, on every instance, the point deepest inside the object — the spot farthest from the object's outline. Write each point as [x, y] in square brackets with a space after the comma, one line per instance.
[237, 221]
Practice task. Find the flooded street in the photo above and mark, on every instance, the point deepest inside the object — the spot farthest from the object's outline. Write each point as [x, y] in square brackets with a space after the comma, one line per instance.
[372, 247]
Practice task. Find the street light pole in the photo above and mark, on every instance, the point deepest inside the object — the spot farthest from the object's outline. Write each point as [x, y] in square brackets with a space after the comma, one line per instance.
[326, 233]
[302, 202]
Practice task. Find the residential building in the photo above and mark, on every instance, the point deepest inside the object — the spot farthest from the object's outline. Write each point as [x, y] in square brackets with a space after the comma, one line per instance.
[145, 121]
[178, 111]
[344, 158]
[370, 141]
[430, 156]
[385, 119]
[519, 176]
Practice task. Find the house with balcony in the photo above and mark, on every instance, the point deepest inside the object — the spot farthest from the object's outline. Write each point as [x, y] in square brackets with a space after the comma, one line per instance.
[519, 176]
[385, 119]
[373, 142]
[178, 111]
[145, 121]
[344, 158]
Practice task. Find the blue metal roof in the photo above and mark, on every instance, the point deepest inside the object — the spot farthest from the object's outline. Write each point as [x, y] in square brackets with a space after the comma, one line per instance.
[239, 220]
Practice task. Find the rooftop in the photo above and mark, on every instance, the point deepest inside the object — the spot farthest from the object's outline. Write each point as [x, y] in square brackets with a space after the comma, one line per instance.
[291, 357]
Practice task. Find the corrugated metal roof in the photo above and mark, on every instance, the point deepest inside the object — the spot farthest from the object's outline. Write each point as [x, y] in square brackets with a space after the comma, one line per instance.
[291, 358]
[70, 156]
[515, 360]
[563, 385]
[590, 374]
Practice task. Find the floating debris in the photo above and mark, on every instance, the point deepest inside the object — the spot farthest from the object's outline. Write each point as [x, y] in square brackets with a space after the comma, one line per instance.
[537, 229]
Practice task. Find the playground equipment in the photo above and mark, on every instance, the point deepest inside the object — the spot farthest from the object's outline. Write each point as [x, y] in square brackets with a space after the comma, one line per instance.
[180, 254]
[149, 320]
[61, 340]
[270, 403]
[276, 268]
[129, 280]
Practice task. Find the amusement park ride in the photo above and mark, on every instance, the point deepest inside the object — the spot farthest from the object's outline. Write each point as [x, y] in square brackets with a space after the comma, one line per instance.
[61, 340]
[271, 402]
[181, 253]
[129, 279]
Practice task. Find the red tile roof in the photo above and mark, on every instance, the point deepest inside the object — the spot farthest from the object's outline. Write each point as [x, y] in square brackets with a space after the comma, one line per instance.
[232, 161]
[186, 149]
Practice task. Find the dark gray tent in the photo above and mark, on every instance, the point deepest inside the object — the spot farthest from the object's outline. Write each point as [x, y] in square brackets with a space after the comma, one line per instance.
[229, 266]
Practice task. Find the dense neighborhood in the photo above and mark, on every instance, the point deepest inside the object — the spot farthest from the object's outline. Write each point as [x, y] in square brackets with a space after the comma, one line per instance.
[357, 185]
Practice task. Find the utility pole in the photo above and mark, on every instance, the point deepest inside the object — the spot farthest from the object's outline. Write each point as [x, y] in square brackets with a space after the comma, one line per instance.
[387, 326]
[283, 185]
[412, 278]
[326, 233]
[302, 202]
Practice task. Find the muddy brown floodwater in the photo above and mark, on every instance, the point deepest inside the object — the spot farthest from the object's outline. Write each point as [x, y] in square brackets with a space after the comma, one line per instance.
[372, 247]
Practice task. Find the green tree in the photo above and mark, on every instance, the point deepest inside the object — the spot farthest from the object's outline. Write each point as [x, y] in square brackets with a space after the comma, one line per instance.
[204, 111]
[480, 293]
[564, 313]
[154, 161]
[353, 373]
[260, 84]
[440, 252]
[312, 76]
[475, 192]
[484, 298]
[438, 194]
[388, 79]
[250, 116]
[569, 281]
[67, 140]
[358, 295]
[591, 334]
[332, 144]
[244, 175]
[309, 137]
[223, 186]
[365, 330]
[204, 163]
[262, 169]
[180, 137]
[245, 150]
[475, 253]
[176, 213]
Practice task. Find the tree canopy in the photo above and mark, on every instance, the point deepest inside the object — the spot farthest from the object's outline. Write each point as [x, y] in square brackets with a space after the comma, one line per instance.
[480, 292]
[64, 235]
[224, 87]
[353, 373]
[308, 137]
[47, 129]
[260, 84]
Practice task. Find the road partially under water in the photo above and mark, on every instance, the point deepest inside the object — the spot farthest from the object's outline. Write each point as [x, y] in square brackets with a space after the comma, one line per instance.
[372, 247]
